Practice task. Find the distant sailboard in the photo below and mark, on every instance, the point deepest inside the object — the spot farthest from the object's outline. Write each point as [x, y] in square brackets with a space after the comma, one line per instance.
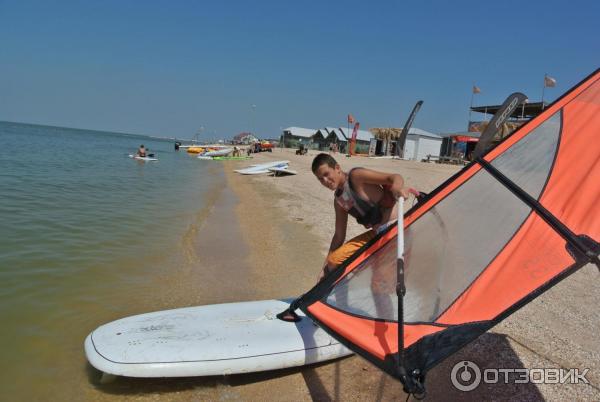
[282, 171]
[231, 158]
[263, 167]
[216, 152]
[142, 158]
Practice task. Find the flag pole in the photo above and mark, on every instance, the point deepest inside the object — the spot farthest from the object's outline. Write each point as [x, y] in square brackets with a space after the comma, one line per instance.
[544, 90]
[348, 121]
[471, 106]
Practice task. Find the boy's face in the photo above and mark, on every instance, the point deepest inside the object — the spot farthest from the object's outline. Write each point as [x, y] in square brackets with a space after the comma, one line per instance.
[328, 176]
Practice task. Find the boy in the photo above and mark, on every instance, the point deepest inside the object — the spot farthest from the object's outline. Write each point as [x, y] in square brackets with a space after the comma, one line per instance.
[368, 195]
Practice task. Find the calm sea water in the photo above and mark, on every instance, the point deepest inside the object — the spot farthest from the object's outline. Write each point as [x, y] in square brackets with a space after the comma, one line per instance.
[84, 231]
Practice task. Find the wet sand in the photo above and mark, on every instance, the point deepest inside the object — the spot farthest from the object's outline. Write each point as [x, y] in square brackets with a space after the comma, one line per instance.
[279, 230]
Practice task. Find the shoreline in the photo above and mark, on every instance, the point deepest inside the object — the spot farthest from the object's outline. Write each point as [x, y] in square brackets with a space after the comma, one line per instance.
[281, 227]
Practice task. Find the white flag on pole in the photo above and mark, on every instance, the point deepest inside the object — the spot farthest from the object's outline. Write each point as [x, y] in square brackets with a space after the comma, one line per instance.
[549, 81]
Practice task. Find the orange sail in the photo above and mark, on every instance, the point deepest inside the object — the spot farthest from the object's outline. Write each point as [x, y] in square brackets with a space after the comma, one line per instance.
[503, 230]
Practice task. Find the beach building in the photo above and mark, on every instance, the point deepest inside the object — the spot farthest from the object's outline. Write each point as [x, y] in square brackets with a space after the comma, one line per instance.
[337, 137]
[523, 113]
[292, 137]
[320, 140]
[363, 139]
[419, 143]
[459, 144]
[323, 138]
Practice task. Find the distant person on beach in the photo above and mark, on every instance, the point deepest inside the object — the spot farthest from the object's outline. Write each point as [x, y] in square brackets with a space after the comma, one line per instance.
[368, 195]
[236, 152]
[141, 152]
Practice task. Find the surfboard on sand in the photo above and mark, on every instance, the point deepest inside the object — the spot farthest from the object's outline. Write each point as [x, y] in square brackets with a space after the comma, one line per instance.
[217, 339]
[277, 171]
[262, 168]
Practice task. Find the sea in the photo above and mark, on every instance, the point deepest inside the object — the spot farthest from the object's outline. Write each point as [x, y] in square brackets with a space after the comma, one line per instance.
[88, 235]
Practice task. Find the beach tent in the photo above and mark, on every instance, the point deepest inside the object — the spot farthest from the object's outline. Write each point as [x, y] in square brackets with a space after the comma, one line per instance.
[532, 203]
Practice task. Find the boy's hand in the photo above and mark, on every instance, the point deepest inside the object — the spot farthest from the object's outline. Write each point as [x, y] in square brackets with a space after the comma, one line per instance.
[405, 192]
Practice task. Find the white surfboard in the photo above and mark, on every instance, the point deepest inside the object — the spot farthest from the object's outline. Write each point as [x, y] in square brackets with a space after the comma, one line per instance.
[217, 152]
[277, 171]
[263, 167]
[142, 158]
[217, 339]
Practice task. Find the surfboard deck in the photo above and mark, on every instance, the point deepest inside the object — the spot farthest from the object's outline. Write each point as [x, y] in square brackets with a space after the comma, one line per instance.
[217, 339]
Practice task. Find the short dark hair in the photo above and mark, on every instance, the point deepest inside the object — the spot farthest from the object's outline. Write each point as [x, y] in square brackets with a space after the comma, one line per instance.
[323, 159]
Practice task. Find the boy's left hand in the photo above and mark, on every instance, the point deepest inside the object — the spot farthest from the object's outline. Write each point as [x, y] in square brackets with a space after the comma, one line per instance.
[405, 193]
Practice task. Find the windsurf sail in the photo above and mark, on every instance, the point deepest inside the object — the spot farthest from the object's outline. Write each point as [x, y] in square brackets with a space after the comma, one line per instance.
[402, 139]
[496, 235]
[506, 109]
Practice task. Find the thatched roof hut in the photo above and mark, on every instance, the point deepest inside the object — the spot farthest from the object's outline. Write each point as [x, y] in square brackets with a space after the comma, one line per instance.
[386, 133]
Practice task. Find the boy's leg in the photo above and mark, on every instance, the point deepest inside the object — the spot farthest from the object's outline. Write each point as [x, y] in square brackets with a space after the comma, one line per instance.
[345, 251]
[341, 254]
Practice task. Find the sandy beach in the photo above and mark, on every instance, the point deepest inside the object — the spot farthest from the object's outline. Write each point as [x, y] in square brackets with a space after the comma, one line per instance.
[279, 234]
[289, 242]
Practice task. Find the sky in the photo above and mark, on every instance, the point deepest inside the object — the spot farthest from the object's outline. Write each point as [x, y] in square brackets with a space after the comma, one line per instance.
[218, 68]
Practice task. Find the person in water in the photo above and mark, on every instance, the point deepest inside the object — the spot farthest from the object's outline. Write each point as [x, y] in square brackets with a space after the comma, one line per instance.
[367, 195]
[141, 152]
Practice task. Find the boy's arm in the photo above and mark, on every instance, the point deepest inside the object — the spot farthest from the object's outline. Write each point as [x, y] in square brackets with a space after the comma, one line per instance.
[341, 223]
[395, 182]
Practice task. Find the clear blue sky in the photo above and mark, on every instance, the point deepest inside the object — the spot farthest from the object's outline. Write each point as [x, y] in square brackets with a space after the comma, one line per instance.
[169, 67]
